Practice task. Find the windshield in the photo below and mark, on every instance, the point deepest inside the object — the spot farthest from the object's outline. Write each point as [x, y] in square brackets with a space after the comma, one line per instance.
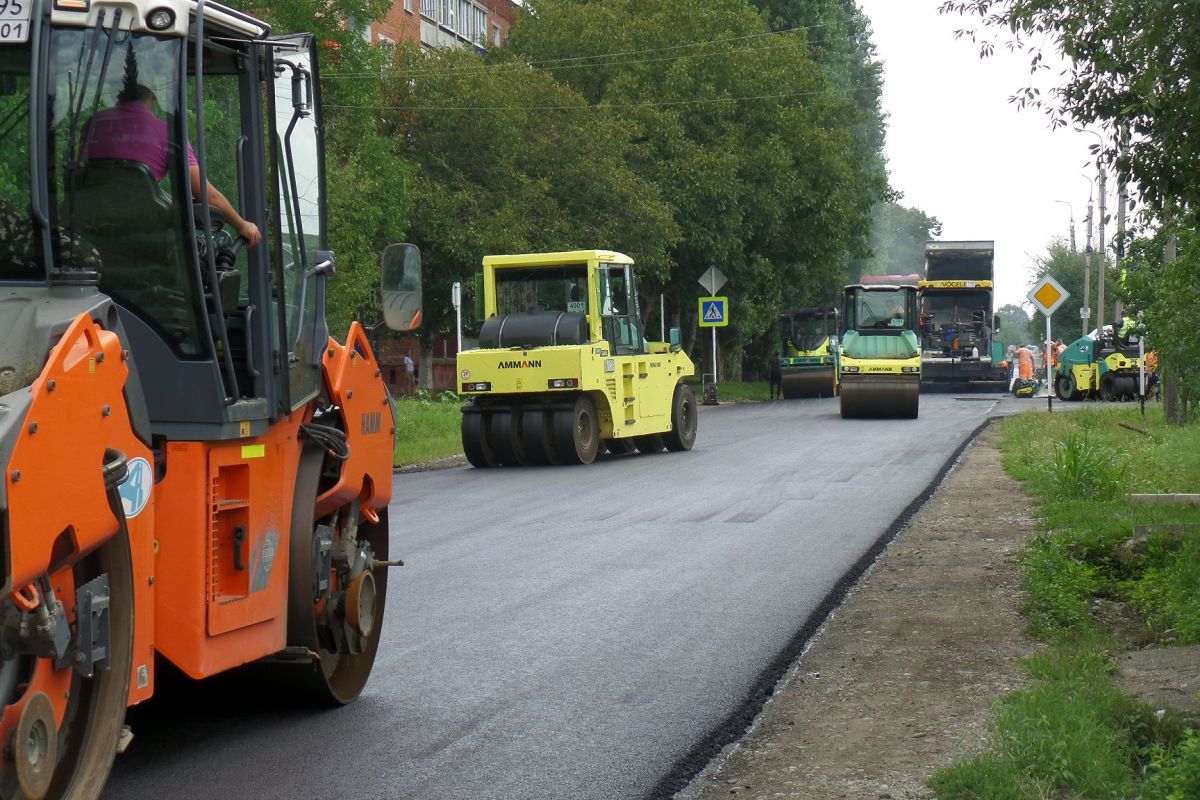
[879, 309]
[17, 253]
[544, 288]
[118, 180]
[958, 308]
[804, 331]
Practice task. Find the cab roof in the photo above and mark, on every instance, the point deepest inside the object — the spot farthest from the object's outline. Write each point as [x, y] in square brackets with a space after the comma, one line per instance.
[557, 259]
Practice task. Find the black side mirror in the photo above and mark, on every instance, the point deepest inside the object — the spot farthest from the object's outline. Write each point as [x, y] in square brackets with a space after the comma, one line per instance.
[401, 286]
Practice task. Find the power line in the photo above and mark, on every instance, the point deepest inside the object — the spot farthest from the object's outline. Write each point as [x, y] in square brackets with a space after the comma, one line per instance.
[563, 63]
[604, 107]
[524, 67]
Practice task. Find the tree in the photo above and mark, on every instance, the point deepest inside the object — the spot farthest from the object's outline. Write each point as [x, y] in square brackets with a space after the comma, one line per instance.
[1166, 294]
[1014, 325]
[1067, 267]
[756, 151]
[510, 161]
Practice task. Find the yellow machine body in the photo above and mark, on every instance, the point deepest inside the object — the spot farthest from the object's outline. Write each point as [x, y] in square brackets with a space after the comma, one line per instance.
[562, 336]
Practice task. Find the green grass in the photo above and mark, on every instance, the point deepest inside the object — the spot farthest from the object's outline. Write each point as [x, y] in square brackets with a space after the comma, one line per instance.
[735, 391]
[1070, 732]
[427, 427]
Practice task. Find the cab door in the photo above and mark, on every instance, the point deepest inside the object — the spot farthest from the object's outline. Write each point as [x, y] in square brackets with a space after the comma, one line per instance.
[298, 233]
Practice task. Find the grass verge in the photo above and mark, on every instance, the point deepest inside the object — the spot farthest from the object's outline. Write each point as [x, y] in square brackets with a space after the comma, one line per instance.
[1070, 732]
[427, 427]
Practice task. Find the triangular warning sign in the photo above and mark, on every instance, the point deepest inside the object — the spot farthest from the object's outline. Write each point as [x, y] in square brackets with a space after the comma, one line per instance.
[713, 313]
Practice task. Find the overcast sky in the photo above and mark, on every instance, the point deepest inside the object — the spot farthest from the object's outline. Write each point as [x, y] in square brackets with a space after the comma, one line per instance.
[959, 151]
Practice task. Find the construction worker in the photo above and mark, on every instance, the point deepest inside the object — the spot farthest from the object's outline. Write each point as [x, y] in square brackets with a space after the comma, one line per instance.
[776, 376]
[1025, 363]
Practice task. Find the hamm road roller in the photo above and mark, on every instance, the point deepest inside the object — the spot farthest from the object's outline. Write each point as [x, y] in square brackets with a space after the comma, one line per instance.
[1105, 366]
[193, 468]
[808, 361]
[563, 366]
[879, 371]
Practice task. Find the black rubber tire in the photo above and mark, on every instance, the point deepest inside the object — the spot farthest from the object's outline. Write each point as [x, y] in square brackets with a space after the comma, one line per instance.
[476, 439]
[538, 436]
[650, 443]
[1064, 388]
[683, 420]
[577, 432]
[87, 742]
[508, 437]
[620, 447]
[337, 678]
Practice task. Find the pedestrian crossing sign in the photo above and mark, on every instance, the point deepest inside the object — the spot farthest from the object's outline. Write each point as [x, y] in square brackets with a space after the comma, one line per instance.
[714, 312]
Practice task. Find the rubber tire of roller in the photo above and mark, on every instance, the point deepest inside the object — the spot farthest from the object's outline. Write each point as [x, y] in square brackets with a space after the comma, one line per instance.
[683, 420]
[577, 432]
[508, 437]
[477, 446]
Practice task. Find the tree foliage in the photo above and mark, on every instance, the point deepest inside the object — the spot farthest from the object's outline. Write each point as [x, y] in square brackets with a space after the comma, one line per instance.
[1067, 267]
[1014, 325]
[510, 161]
[745, 135]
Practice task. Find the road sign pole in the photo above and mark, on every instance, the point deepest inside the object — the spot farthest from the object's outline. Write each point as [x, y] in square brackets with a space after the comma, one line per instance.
[456, 299]
[714, 355]
[1049, 385]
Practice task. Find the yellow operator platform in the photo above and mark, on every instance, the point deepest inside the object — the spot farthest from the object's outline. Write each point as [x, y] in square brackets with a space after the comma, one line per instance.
[563, 367]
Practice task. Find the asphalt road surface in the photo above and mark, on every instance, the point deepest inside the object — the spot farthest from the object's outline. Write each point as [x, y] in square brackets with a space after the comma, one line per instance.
[574, 632]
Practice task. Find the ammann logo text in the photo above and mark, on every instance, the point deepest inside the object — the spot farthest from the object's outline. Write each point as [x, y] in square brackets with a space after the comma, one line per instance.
[519, 364]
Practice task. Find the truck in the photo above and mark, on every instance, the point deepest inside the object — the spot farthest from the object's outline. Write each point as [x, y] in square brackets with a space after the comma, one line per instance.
[563, 367]
[957, 318]
[194, 469]
[879, 364]
[807, 360]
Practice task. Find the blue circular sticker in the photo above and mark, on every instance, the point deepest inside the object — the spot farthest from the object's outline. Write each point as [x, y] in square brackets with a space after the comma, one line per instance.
[135, 489]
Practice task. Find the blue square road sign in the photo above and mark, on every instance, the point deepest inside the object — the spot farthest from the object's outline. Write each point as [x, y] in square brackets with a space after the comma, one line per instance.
[714, 312]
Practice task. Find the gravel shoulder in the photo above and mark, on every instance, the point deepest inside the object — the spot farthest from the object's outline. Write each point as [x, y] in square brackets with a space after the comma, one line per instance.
[900, 680]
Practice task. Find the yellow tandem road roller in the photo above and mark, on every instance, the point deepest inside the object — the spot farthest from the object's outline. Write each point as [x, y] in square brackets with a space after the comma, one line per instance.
[808, 361]
[562, 366]
[879, 370]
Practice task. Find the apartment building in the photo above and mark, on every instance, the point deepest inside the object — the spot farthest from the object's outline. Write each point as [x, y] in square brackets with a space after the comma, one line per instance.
[480, 24]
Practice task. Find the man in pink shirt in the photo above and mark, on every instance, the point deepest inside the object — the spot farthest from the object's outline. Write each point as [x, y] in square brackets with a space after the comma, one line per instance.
[131, 131]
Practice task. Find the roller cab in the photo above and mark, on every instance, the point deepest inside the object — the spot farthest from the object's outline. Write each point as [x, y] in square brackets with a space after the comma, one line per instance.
[879, 369]
[563, 367]
[808, 355]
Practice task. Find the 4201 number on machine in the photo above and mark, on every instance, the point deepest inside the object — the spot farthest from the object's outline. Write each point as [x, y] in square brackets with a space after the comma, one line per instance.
[14, 21]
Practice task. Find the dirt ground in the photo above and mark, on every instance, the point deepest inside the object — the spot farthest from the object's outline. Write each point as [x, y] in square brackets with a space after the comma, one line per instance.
[900, 680]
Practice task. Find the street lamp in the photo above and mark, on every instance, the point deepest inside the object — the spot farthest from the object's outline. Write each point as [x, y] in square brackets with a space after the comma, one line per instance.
[1070, 209]
[1103, 254]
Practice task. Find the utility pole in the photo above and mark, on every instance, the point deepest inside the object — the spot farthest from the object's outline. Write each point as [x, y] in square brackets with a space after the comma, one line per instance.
[1122, 201]
[1070, 209]
[1087, 267]
[1103, 252]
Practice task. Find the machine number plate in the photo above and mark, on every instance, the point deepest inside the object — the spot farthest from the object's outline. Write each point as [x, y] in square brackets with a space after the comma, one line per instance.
[14, 21]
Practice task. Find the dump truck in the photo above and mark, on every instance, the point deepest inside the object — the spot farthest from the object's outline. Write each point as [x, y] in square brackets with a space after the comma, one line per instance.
[194, 469]
[879, 365]
[563, 367]
[1100, 365]
[807, 360]
[957, 321]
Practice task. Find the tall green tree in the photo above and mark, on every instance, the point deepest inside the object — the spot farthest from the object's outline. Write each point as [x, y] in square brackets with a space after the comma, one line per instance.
[1014, 325]
[742, 132]
[511, 161]
[1068, 267]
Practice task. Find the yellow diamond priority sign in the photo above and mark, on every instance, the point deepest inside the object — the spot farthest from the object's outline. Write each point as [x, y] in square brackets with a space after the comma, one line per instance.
[1047, 295]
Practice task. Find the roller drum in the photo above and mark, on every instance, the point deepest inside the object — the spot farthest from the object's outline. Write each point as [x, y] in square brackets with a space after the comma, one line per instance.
[879, 398]
[798, 384]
